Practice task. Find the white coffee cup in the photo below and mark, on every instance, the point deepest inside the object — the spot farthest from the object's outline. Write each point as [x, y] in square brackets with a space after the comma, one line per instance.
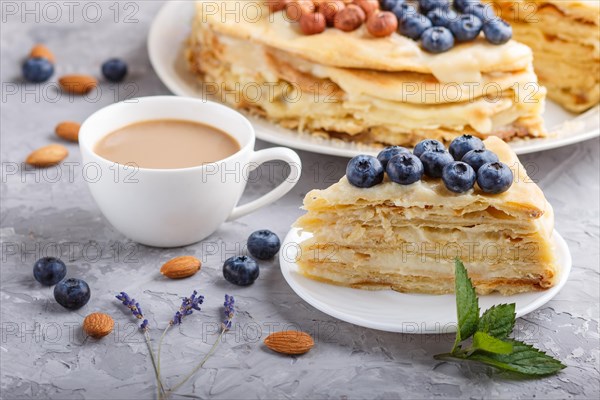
[176, 207]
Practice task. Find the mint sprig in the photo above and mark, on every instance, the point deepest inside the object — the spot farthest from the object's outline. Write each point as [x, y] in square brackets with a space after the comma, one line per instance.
[524, 359]
[467, 306]
[483, 341]
[490, 344]
[498, 321]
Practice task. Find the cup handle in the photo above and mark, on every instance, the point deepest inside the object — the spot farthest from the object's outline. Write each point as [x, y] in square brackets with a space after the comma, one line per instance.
[260, 157]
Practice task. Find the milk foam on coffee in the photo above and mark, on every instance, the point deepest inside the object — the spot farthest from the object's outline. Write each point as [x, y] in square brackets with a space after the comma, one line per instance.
[167, 144]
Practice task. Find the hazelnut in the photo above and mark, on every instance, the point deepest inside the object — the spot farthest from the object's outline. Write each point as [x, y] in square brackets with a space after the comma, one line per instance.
[349, 18]
[329, 8]
[294, 9]
[276, 5]
[381, 24]
[368, 6]
[311, 24]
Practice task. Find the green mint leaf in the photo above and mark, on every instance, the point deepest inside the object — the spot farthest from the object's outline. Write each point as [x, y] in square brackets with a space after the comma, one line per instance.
[498, 321]
[467, 305]
[485, 342]
[524, 359]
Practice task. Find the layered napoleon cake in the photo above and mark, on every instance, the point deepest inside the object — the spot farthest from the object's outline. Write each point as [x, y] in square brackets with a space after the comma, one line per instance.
[357, 87]
[565, 38]
[406, 237]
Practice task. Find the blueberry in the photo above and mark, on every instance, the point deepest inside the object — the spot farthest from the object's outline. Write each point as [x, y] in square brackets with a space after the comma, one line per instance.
[458, 177]
[494, 177]
[114, 70]
[364, 171]
[442, 16]
[413, 25]
[389, 5]
[405, 169]
[476, 158]
[389, 152]
[263, 244]
[434, 162]
[240, 270]
[463, 144]
[482, 11]
[402, 10]
[72, 293]
[427, 145]
[466, 28]
[37, 70]
[427, 5]
[497, 31]
[461, 5]
[437, 39]
[49, 271]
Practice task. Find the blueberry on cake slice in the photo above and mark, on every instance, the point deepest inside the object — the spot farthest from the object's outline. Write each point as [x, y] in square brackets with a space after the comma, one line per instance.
[397, 221]
[565, 38]
[389, 72]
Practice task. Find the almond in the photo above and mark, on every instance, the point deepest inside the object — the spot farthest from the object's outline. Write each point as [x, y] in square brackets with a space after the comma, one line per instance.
[47, 156]
[78, 84]
[98, 325]
[68, 130]
[290, 342]
[181, 267]
[41, 51]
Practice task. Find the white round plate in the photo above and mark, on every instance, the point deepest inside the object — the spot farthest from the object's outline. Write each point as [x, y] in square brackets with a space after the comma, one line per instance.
[166, 42]
[392, 311]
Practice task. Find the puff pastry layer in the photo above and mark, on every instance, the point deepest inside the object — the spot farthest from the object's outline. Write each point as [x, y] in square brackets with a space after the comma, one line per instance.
[565, 38]
[406, 237]
[351, 86]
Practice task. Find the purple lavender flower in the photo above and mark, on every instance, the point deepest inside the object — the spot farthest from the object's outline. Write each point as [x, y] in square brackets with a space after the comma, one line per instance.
[229, 311]
[135, 308]
[188, 305]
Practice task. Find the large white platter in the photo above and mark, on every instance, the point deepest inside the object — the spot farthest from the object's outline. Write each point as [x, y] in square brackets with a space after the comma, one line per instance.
[391, 311]
[171, 27]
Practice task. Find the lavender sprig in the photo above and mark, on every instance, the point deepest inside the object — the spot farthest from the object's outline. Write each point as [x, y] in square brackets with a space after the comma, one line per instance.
[229, 311]
[135, 308]
[137, 312]
[188, 305]
[225, 326]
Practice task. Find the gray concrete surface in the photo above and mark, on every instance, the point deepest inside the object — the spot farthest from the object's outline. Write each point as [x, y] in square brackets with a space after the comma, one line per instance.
[43, 352]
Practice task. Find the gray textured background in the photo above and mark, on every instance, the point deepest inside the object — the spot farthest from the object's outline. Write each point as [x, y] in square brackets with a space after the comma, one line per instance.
[43, 353]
